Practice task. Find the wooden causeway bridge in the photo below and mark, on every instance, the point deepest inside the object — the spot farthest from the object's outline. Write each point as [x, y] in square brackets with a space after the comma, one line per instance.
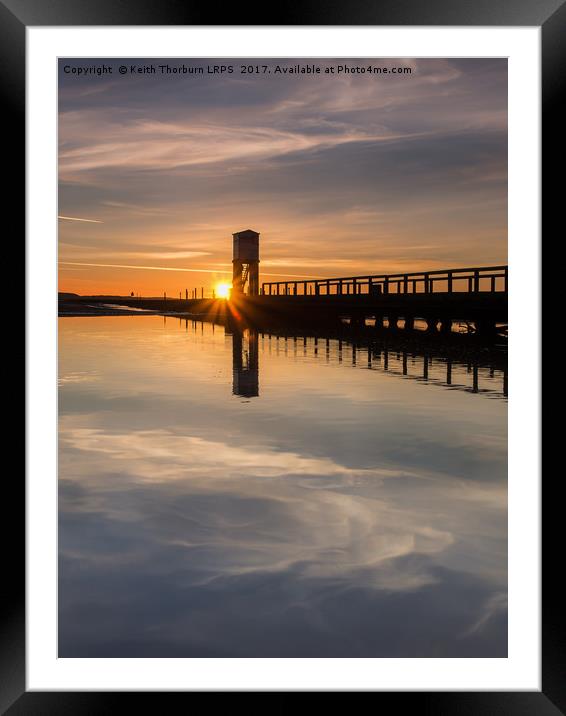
[476, 295]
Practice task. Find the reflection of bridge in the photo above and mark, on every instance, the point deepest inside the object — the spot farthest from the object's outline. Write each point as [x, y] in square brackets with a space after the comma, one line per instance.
[457, 366]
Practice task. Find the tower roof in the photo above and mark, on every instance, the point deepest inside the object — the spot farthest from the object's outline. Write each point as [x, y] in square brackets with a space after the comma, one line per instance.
[246, 233]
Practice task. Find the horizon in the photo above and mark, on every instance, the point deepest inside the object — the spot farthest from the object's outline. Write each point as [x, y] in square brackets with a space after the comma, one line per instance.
[341, 176]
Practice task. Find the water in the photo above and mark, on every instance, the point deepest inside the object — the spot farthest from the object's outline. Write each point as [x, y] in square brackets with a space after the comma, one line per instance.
[332, 507]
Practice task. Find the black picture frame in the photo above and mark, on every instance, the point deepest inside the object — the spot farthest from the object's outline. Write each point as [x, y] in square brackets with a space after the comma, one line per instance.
[15, 16]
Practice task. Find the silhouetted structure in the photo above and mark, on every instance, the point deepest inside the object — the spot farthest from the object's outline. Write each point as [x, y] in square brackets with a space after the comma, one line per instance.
[476, 296]
[480, 279]
[245, 363]
[245, 263]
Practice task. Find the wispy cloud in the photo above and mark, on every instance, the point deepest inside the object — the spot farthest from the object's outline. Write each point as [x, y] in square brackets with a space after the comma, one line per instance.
[134, 266]
[366, 533]
[346, 174]
[170, 268]
[165, 254]
[76, 218]
[159, 145]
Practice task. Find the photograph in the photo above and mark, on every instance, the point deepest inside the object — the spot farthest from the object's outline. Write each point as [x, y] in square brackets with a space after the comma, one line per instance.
[282, 357]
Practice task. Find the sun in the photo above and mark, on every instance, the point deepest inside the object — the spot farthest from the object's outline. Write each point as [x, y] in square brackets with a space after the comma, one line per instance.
[222, 290]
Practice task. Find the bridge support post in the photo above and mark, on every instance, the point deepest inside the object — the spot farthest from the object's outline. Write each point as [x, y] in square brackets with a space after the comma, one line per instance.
[410, 323]
[431, 325]
[446, 325]
[392, 321]
[485, 328]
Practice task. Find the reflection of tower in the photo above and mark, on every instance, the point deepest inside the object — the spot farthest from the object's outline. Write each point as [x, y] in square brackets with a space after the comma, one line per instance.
[245, 363]
[245, 262]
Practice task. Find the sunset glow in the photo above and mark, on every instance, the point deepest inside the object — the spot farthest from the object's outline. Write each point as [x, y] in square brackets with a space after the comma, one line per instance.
[341, 176]
[282, 360]
[222, 290]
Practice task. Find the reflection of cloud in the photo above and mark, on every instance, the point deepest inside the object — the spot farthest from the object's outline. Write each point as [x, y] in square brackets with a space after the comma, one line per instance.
[193, 454]
[178, 546]
[494, 607]
[316, 519]
[341, 514]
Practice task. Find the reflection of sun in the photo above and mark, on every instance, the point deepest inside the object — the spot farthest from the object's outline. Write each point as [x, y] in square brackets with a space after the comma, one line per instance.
[222, 290]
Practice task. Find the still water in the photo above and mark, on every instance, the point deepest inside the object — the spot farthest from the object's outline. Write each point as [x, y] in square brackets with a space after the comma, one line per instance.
[243, 496]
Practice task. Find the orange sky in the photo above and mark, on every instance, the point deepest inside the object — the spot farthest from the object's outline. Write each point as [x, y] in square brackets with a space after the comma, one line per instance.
[341, 176]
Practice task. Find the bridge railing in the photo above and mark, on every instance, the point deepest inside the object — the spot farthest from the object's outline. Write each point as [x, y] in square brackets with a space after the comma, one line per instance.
[470, 280]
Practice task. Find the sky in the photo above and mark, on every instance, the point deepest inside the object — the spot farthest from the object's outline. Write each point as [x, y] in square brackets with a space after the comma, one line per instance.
[342, 174]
